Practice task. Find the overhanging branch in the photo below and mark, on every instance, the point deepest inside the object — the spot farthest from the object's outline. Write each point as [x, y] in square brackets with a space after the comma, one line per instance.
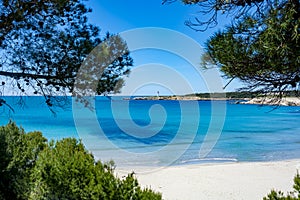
[28, 75]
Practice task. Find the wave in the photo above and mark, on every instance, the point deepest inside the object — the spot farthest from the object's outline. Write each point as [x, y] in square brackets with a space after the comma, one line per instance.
[208, 160]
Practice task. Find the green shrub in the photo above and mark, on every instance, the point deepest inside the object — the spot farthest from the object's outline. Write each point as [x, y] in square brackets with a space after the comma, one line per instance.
[19, 152]
[279, 195]
[31, 168]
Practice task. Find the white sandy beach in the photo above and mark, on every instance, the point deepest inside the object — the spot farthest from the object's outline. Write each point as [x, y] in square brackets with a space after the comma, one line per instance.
[252, 180]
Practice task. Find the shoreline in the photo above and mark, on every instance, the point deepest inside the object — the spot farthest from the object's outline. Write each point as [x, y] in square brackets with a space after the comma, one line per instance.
[285, 101]
[235, 180]
[182, 98]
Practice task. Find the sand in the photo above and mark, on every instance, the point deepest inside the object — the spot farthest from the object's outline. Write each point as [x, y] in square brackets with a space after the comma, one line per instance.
[252, 180]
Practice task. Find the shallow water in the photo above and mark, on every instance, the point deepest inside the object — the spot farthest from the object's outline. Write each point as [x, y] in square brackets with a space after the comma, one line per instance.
[160, 133]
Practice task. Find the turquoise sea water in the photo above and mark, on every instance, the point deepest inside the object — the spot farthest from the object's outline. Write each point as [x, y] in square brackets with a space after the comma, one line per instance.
[167, 132]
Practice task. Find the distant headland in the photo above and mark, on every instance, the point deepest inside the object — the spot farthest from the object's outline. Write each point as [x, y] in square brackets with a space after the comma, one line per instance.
[236, 97]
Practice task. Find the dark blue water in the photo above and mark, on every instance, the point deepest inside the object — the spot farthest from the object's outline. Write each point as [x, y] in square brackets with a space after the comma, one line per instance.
[166, 132]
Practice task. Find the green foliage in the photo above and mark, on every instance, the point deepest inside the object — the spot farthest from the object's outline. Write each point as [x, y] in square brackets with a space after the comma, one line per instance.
[279, 195]
[44, 43]
[262, 52]
[64, 171]
[31, 168]
[19, 154]
[232, 95]
[261, 46]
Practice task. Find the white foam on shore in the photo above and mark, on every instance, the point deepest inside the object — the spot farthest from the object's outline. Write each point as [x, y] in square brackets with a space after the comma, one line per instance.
[208, 160]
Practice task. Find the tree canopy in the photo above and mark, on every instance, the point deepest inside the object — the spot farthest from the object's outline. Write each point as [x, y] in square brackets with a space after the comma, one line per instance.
[262, 52]
[211, 10]
[43, 44]
[260, 46]
[32, 168]
[19, 152]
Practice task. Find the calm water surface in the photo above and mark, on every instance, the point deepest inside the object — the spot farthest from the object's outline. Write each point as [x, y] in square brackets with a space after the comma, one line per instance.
[250, 132]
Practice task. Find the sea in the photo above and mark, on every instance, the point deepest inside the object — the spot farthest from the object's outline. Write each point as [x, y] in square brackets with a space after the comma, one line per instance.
[164, 132]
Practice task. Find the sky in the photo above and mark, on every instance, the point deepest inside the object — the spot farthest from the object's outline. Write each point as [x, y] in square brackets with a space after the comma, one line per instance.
[164, 67]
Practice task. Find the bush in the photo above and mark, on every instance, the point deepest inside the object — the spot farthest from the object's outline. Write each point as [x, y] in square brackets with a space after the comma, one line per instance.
[31, 168]
[19, 152]
[279, 195]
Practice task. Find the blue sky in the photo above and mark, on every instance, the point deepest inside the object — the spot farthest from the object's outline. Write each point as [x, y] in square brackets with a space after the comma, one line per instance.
[117, 16]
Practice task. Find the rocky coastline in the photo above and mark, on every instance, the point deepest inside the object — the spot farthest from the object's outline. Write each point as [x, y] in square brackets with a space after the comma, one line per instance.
[286, 101]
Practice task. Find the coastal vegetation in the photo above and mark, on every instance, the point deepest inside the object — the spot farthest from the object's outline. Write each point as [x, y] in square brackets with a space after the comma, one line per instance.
[279, 195]
[43, 45]
[33, 168]
[229, 95]
[261, 45]
[289, 98]
[244, 94]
